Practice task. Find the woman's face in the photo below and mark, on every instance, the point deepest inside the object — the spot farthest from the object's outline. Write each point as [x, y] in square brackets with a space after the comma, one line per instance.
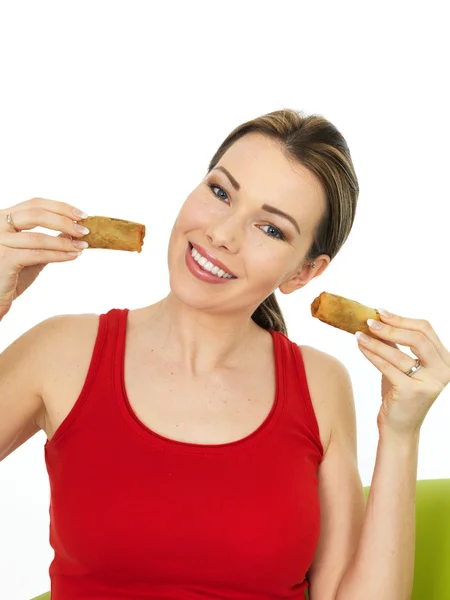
[264, 250]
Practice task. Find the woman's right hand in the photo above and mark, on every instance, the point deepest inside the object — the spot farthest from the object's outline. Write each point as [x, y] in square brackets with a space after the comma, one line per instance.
[23, 255]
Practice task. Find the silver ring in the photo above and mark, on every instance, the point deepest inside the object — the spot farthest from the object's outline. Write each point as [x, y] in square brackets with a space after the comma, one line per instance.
[415, 368]
[11, 223]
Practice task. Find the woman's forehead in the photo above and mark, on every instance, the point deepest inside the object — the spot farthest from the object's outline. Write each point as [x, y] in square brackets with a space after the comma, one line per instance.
[267, 175]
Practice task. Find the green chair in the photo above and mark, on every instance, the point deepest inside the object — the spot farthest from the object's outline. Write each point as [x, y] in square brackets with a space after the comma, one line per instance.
[432, 558]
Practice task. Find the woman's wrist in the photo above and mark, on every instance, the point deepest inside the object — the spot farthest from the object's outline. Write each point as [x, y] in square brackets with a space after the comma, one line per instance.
[407, 439]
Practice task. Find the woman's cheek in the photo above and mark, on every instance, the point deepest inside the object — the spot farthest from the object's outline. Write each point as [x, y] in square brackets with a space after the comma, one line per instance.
[201, 211]
[263, 259]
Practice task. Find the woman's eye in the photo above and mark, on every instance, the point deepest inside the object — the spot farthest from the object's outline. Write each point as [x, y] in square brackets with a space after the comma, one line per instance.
[213, 186]
[277, 231]
[278, 234]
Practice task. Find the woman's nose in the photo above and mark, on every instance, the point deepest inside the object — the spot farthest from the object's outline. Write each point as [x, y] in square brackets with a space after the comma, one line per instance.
[224, 233]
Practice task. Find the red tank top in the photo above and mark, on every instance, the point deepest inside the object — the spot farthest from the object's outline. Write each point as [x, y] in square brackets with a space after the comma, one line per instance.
[136, 515]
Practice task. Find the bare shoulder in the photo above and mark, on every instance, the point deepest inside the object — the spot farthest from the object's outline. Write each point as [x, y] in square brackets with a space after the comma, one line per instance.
[330, 388]
[63, 336]
[28, 364]
[69, 342]
[60, 326]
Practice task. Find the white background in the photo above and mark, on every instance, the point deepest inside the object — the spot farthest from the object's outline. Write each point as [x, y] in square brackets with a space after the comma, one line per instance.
[117, 107]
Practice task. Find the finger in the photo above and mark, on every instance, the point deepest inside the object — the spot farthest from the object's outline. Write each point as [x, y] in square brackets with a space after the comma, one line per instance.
[51, 206]
[422, 326]
[415, 339]
[30, 257]
[34, 216]
[392, 373]
[56, 206]
[35, 241]
[386, 358]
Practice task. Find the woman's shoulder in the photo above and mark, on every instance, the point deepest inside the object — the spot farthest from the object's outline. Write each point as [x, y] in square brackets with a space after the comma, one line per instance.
[65, 332]
[66, 349]
[325, 376]
[48, 339]
[28, 366]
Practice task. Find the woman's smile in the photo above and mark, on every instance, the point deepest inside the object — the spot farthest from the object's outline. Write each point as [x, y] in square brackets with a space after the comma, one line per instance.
[206, 273]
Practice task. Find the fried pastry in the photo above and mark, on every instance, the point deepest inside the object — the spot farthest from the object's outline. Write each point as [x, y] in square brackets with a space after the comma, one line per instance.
[343, 313]
[113, 234]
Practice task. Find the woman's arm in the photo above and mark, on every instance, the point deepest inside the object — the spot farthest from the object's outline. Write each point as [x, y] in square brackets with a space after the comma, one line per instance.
[341, 494]
[22, 367]
[362, 554]
[20, 402]
[383, 565]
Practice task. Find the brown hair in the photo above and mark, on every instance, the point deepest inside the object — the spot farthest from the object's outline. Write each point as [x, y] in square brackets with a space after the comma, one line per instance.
[318, 145]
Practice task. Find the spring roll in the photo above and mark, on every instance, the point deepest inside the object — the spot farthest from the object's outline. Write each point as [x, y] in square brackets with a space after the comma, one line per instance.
[343, 313]
[113, 234]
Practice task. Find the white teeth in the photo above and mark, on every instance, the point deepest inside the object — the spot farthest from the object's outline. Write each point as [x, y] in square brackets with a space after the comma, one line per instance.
[208, 266]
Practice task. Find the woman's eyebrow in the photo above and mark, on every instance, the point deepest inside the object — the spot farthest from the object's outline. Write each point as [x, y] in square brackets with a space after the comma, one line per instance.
[234, 183]
[266, 207]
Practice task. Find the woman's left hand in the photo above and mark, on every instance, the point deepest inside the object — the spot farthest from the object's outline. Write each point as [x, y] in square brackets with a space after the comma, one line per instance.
[407, 399]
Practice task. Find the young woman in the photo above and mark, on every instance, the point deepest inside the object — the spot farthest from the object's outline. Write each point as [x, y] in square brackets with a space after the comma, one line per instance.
[195, 451]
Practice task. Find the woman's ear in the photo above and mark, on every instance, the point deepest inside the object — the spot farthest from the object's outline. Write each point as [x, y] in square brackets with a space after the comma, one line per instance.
[305, 274]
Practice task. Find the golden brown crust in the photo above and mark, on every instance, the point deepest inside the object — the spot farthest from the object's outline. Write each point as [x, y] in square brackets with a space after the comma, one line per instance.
[343, 313]
[113, 234]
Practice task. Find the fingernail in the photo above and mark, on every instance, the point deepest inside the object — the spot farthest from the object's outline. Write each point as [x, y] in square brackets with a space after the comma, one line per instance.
[79, 244]
[79, 213]
[375, 324]
[362, 337]
[81, 229]
[384, 312]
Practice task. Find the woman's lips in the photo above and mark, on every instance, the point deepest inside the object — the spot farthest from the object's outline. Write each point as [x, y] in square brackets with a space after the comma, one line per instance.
[200, 273]
[212, 258]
